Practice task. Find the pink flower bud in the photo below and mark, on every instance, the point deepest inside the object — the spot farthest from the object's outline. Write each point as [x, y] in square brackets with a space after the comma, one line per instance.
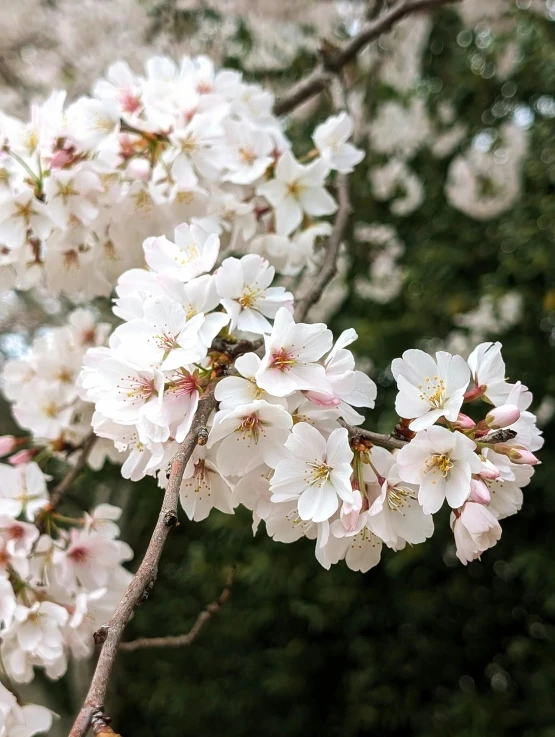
[503, 416]
[22, 456]
[464, 422]
[322, 400]
[7, 444]
[350, 513]
[521, 455]
[475, 393]
[489, 470]
[61, 158]
[479, 492]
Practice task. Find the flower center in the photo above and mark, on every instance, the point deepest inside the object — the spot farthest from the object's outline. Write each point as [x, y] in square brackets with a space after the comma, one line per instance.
[250, 427]
[65, 191]
[15, 532]
[186, 384]
[165, 341]
[397, 497]
[282, 360]
[78, 555]
[129, 102]
[441, 463]
[294, 189]
[293, 518]
[187, 254]
[247, 156]
[433, 391]
[202, 477]
[320, 473]
[50, 409]
[136, 387]
[23, 211]
[248, 298]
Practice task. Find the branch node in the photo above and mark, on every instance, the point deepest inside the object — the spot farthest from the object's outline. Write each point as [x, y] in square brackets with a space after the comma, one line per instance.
[101, 634]
[170, 520]
[100, 723]
[147, 592]
[202, 436]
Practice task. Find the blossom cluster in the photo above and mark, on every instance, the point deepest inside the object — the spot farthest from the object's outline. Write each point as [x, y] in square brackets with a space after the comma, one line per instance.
[82, 185]
[41, 385]
[283, 441]
[60, 579]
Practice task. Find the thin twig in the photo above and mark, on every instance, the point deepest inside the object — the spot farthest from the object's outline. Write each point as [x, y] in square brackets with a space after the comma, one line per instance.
[183, 640]
[143, 580]
[66, 483]
[377, 438]
[320, 78]
[329, 266]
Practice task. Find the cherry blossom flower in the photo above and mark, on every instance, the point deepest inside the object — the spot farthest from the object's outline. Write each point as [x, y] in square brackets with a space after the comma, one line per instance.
[440, 462]
[164, 337]
[193, 253]
[330, 138]
[360, 547]
[250, 435]
[476, 529]
[247, 152]
[22, 720]
[90, 558]
[245, 293]
[395, 515]
[20, 212]
[316, 473]
[233, 391]
[297, 189]
[72, 194]
[127, 392]
[204, 487]
[429, 389]
[22, 490]
[289, 361]
[349, 387]
[488, 372]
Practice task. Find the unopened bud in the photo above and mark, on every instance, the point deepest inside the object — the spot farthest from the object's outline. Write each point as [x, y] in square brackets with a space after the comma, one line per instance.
[479, 492]
[464, 422]
[22, 456]
[7, 444]
[489, 470]
[521, 455]
[503, 416]
[475, 393]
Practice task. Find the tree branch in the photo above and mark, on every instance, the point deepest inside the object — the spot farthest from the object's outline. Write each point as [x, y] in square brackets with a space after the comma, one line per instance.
[384, 441]
[320, 78]
[186, 639]
[329, 265]
[143, 580]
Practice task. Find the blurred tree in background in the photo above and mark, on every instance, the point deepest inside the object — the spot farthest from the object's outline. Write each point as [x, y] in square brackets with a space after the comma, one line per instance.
[451, 242]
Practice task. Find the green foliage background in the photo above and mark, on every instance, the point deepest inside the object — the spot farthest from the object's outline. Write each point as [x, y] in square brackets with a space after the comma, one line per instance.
[420, 645]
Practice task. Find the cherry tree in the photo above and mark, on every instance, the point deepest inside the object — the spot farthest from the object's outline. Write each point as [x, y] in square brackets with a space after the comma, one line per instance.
[180, 191]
